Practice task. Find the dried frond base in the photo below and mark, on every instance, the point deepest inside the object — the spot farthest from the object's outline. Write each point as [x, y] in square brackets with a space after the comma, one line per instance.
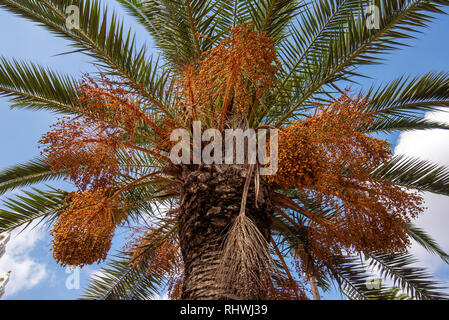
[246, 263]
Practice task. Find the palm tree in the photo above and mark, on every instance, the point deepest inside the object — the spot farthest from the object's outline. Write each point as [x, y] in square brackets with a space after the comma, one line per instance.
[226, 231]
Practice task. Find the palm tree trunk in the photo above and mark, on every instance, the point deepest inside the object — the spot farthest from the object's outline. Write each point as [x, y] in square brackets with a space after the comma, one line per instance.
[210, 201]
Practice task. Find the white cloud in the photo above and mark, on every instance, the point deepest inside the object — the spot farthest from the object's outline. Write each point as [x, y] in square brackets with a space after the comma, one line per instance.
[430, 145]
[26, 271]
[435, 221]
[427, 144]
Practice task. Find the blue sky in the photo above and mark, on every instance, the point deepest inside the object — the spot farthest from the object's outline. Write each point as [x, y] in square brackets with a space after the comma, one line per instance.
[37, 276]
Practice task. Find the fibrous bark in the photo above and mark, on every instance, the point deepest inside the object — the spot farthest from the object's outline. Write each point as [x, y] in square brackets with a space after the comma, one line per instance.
[210, 202]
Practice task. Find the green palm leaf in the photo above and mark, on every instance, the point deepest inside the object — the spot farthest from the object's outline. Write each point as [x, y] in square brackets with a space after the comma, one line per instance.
[416, 282]
[35, 205]
[103, 37]
[350, 276]
[388, 124]
[415, 173]
[175, 26]
[21, 175]
[349, 45]
[274, 16]
[427, 242]
[406, 96]
[34, 87]
[118, 280]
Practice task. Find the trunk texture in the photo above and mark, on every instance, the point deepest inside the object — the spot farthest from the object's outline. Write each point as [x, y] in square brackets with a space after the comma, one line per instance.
[210, 201]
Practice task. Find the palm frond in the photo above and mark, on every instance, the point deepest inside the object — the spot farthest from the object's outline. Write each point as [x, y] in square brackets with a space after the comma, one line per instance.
[406, 95]
[312, 32]
[231, 13]
[388, 124]
[348, 45]
[35, 205]
[101, 36]
[427, 242]
[353, 280]
[119, 280]
[25, 174]
[415, 281]
[35, 87]
[144, 203]
[415, 173]
[274, 16]
[176, 25]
